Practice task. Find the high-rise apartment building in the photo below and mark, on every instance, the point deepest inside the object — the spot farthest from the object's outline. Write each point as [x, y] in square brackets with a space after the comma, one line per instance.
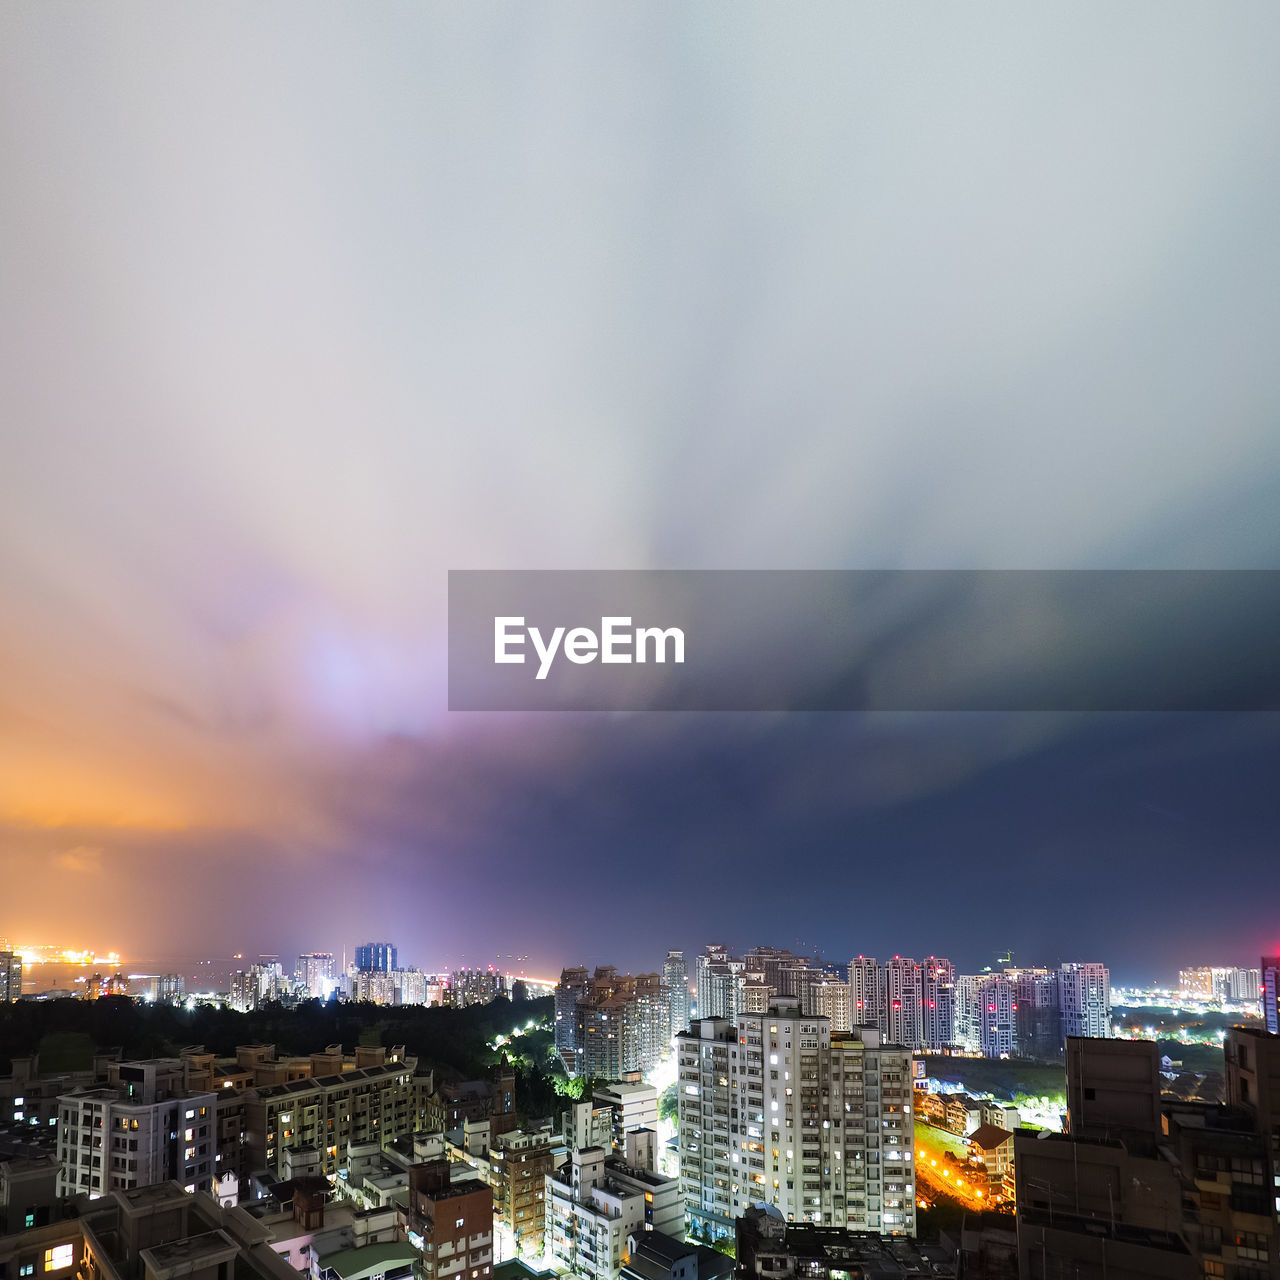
[996, 1004]
[969, 1010]
[315, 972]
[612, 1024]
[519, 1164]
[1244, 986]
[573, 986]
[1037, 1016]
[10, 976]
[376, 957]
[1084, 996]
[675, 981]
[902, 990]
[831, 1000]
[1197, 983]
[767, 964]
[1269, 985]
[937, 1004]
[866, 993]
[773, 1107]
[622, 1025]
[720, 980]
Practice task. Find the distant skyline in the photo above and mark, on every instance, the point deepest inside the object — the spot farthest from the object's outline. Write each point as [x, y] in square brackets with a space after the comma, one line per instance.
[303, 308]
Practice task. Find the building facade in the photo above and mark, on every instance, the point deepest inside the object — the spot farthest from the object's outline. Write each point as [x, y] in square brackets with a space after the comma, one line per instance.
[774, 1108]
[140, 1128]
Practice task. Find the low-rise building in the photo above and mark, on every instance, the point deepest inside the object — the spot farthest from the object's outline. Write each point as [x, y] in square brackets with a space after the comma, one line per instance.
[994, 1147]
[451, 1222]
[596, 1201]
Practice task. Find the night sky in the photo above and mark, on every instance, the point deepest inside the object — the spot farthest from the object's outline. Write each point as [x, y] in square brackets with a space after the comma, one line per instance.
[302, 308]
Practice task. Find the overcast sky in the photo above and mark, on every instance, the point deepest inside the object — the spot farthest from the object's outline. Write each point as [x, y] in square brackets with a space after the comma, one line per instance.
[304, 305]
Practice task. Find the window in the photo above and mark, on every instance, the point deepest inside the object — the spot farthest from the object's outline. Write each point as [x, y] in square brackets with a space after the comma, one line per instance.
[59, 1257]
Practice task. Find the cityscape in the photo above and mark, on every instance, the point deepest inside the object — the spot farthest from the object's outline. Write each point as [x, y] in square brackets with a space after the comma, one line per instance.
[725, 1106]
[639, 642]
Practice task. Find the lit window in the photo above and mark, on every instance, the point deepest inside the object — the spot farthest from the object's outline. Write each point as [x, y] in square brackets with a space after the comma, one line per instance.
[59, 1257]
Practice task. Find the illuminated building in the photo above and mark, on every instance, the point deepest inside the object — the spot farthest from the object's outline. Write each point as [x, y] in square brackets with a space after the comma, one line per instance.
[10, 976]
[776, 1108]
[937, 1004]
[902, 992]
[315, 973]
[866, 993]
[675, 980]
[376, 957]
[473, 986]
[1270, 993]
[156, 1232]
[141, 1127]
[519, 1164]
[1084, 996]
[573, 986]
[30, 1097]
[634, 1106]
[997, 1005]
[832, 1001]
[620, 1023]
[720, 980]
[374, 985]
[260, 984]
[325, 1114]
[595, 1201]
[1196, 983]
[451, 1222]
[968, 1010]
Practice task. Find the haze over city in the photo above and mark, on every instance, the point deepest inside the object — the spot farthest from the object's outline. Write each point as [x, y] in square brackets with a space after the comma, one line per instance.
[299, 316]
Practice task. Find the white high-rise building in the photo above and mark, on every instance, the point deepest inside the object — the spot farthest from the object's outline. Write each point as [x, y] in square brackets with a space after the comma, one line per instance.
[1084, 996]
[831, 1001]
[902, 993]
[776, 1108]
[720, 983]
[969, 1011]
[866, 993]
[997, 1033]
[937, 1004]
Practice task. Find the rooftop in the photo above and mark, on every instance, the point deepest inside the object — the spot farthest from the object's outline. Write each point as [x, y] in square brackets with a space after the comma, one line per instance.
[368, 1259]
